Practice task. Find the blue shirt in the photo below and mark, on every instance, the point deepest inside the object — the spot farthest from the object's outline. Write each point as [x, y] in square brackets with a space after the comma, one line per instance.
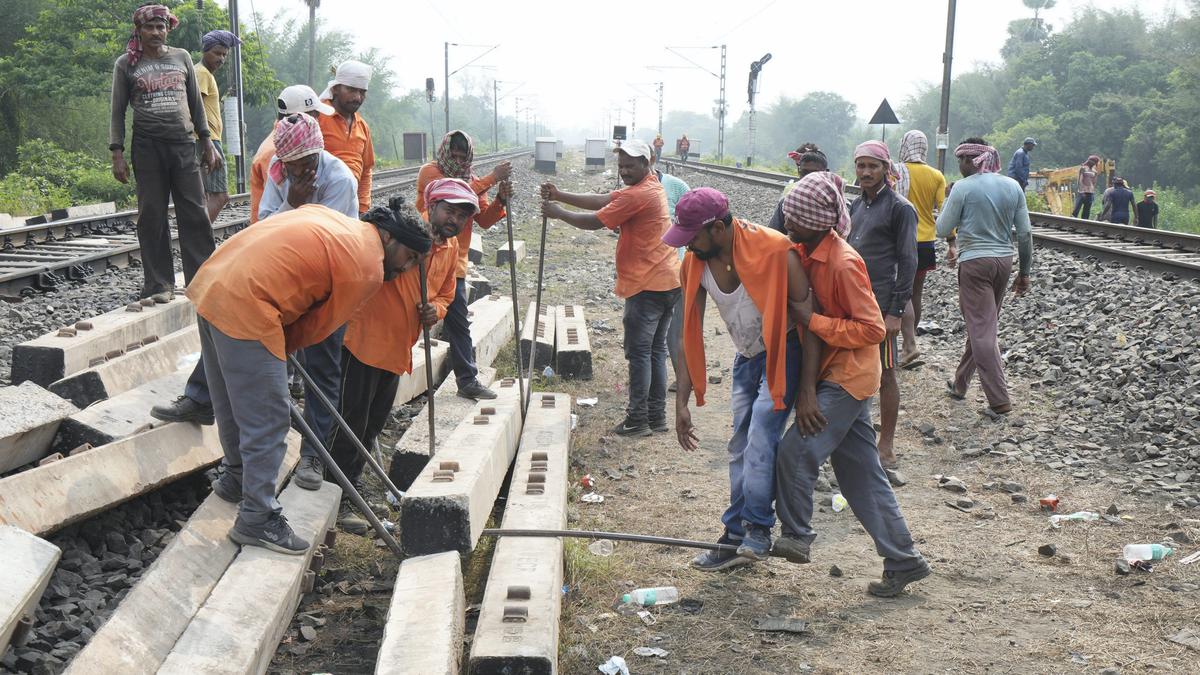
[1121, 199]
[1018, 168]
[675, 188]
[336, 188]
[985, 208]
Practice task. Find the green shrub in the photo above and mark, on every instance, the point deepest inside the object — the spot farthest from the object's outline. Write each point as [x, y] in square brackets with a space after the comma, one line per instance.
[48, 177]
[26, 196]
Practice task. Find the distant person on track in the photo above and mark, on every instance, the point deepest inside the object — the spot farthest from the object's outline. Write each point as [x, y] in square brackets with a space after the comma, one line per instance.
[454, 159]
[658, 146]
[884, 232]
[984, 209]
[1146, 214]
[675, 188]
[647, 276]
[346, 133]
[834, 422]
[298, 98]
[750, 272]
[925, 188]
[379, 338]
[159, 83]
[809, 159]
[683, 147]
[1086, 189]
[1118, 201]
[215, 46]
[1018, 166]
[282, 285]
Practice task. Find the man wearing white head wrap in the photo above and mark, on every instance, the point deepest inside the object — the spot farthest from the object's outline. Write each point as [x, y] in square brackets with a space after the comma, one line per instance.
[925, 188]
[346, 133]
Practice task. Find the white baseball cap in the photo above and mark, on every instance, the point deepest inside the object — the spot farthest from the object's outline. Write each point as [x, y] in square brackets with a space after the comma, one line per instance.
[635, 147]
[300, 98]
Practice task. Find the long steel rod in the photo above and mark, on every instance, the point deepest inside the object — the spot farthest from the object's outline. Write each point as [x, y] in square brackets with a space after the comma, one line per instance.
[512, 273]
[615, 536]
[430, 391]
[344, 482]
[537, 308]
[362, 450]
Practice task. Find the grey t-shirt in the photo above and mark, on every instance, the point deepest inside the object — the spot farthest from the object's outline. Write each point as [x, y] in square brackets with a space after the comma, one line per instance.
[164, 96]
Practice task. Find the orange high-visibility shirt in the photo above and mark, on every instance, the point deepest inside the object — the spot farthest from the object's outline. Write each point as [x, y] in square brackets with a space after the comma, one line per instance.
[644, 262]
[383, 331]
[290, 280]
[490, 212]
[850, 322]
[760, 259]
[353, 146]
[258, 172]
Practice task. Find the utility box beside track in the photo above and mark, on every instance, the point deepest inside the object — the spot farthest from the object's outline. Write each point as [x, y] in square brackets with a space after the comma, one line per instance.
[545, 154]
[595, 150]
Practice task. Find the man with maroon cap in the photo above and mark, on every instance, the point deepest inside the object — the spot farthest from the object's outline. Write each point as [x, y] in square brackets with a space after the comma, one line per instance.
[750, 272]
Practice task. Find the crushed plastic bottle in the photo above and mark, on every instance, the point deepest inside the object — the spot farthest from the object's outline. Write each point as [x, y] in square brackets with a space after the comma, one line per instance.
[1057, 519]
[1145, 552]
[839, 502]
[647, 597]
[601, 547]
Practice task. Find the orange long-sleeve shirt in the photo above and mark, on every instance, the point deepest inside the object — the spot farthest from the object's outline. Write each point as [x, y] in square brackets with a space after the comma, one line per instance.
[291, 280]
[383, 331]
[490, 212]
[258, 172]
[352, 144]
[850, 322]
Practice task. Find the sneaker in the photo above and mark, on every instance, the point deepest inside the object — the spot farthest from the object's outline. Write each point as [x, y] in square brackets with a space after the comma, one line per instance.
[184, 409]
[660, 425]
[635, 429]
[228, 487]
[756, 545]
[715, 561]
[893, 582]
[475, 390]
[275, 535]
[310, 473]
[350, 521]
[792, 549]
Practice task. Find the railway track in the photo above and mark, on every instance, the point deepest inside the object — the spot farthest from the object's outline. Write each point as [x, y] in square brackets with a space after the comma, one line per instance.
[43, 257]
[1174, 254]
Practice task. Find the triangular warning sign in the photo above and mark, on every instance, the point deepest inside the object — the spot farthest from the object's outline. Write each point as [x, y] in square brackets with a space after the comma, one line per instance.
[884, 115]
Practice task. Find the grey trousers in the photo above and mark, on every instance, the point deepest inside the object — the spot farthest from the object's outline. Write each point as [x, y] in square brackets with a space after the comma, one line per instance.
[250, 399]
[982, 283]
[848, 442]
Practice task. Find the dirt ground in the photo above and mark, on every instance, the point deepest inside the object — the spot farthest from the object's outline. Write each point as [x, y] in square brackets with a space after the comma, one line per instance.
[993, 604]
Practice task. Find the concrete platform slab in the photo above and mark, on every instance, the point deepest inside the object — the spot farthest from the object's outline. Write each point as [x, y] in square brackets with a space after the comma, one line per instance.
[240, 625]
[141, 632]
[572, 348]
[543, 346]
[121, 416]
[503, 254]
[491, 327]
[414, 383]
[138, 365]
[28, 563]
[30, 419]
[46, 498]
[52, 357]
[478, 286]
[475, 252]
[426, 619]
[517, 630]
[448, 504]
[411, 453]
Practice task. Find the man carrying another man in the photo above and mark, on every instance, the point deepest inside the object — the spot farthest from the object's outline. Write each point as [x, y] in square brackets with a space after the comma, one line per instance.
[647, 276]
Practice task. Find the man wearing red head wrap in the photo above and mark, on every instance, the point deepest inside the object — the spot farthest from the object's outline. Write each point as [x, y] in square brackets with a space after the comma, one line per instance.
[159, 83]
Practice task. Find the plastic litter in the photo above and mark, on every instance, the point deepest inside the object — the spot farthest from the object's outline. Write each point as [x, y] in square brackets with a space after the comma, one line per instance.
[839, 502]
[586, 402]
[547, 372]
[1049, 503]
[587, 481]
[648, 597]
[1057, 519]
[651, 651]
[592, 498]
[1145, 552]
[601, 547]
[1190, 559]
[780, 624]
[614, 666]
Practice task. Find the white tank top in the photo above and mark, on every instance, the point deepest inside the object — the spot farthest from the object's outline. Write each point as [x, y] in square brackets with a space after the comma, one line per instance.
[742, 318]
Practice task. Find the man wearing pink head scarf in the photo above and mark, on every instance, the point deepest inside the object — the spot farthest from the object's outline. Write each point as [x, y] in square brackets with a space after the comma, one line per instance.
[884, 232]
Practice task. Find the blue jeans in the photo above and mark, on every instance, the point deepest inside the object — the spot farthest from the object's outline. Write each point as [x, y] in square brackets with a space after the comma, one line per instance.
[757, 427]
[456, 328]
[647, 318]
[1083, 205]
[323, 363]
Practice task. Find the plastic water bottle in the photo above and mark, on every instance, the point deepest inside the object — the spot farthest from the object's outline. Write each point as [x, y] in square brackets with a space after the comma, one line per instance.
[1078, 515]
[1145, 552]
[647, 597]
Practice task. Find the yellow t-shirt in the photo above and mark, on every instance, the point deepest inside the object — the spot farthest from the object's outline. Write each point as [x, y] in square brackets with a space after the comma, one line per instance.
[926, 192]
[212, 100]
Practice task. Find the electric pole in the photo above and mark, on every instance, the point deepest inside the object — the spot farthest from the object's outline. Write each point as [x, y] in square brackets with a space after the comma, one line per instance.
[943, 132]
[312, 40]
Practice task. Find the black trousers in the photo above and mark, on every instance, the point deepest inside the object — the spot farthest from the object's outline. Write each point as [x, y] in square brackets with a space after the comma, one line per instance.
[365, 400]
[165, 171]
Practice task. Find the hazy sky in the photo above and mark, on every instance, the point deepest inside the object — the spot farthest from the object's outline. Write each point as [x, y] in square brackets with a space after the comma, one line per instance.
[580, 59]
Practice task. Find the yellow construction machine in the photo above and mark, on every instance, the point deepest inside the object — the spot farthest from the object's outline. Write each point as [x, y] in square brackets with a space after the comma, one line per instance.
[1057, 186]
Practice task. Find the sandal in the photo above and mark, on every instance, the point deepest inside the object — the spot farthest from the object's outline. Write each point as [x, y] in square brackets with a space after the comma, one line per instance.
[953, 393]
[912, 361]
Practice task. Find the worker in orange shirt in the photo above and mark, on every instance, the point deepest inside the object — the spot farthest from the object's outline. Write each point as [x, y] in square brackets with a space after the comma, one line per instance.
[836, 417]
[346, 133]
[453, 160]
[377, 348]
[298, 98]
[271, 289]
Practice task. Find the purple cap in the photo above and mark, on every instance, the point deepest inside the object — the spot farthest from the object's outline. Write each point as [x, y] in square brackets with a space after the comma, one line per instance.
[696, 208]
